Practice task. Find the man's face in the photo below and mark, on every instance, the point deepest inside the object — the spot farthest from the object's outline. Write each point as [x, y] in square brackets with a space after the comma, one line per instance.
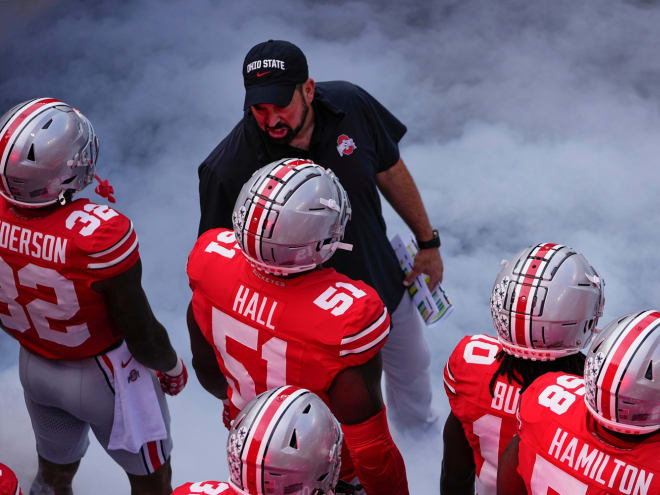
[282, 124]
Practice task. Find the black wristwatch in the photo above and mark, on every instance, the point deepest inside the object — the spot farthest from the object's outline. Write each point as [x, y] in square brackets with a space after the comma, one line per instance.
[434, 242]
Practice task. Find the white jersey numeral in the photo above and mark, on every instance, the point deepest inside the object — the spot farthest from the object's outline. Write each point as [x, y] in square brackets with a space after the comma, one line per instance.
[546, 476]
[90, 218]
[225, 237]
[480, 352]
[39, 310]
[208, 488]
[557, 398]
[273, 351]
[487, 428]
[338, 302]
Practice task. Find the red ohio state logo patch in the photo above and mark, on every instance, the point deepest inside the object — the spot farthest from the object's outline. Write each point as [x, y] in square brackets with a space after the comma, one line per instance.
[345, 145]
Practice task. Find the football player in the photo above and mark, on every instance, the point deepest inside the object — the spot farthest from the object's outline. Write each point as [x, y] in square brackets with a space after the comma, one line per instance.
[284, 441]
[598, 434]
[71, 293]
[264, 313]
[545, 304]
[8, 482]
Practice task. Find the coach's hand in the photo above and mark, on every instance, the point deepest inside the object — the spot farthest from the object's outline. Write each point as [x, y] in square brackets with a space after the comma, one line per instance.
[173, 381]
[427, 261]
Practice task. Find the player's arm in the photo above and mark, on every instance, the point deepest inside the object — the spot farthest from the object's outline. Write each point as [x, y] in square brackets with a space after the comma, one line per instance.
[398, 187]
[509, 481]
[356, 401]
[129, 309]
[458, 469]
[204, 360]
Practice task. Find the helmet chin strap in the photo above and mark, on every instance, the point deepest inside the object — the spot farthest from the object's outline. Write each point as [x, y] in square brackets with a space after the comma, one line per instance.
[343, 245]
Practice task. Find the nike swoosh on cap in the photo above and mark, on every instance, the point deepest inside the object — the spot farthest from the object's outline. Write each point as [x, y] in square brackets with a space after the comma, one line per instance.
[261, 74]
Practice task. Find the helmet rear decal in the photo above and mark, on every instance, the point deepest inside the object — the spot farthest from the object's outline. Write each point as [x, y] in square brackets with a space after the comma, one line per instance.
[608, 371]
[525, 291]
[260, 210]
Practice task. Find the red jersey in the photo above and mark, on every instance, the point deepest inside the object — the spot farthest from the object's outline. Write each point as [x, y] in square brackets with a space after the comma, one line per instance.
[206, 488]
[47, 267]
[8, 482]
[269, 331]
[489, 421]
[560, 452]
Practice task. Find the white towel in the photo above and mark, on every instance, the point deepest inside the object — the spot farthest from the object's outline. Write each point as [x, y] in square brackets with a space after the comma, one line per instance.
[138, 417]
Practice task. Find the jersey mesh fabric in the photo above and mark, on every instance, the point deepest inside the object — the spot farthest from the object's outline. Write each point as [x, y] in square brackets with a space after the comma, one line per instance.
[270, 331]
[559, 451]
[48, 265]
[489, 422]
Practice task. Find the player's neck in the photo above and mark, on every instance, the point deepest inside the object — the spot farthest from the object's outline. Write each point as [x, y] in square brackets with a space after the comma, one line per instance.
[620, 440]
[28, 213]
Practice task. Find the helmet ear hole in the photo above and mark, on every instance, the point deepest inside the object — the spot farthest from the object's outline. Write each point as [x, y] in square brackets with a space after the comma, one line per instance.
[649, 372]
[30, 155]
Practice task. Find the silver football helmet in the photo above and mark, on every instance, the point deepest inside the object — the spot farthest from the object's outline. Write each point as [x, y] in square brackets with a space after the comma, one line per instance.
[622, 374]
[546, 302]
[290, 216]
[48, 150]
[285, 441]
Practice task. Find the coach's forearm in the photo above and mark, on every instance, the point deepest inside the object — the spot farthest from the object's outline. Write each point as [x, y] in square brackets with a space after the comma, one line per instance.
[399, 189]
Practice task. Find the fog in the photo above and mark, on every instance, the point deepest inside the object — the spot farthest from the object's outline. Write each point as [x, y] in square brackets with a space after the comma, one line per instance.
[527, 121]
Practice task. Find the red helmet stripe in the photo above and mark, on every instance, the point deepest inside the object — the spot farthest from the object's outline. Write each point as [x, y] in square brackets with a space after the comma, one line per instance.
[522, 302]
[261, 206]
[9, 131]
[615, 364]
[259, 436]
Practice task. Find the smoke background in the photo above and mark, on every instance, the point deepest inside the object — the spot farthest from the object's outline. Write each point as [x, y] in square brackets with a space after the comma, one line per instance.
[527, 122]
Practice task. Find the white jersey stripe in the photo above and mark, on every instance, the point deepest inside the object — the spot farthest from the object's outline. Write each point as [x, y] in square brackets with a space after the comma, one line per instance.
[452, 389]
[366, 331]
[449, 373]
[116, 261]
[367, 346]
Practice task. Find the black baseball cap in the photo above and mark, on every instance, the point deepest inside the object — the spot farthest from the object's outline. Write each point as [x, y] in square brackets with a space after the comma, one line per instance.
[271, 71]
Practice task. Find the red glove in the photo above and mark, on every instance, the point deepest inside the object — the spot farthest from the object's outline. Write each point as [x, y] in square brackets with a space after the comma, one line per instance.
[226, 413]
[175, 379]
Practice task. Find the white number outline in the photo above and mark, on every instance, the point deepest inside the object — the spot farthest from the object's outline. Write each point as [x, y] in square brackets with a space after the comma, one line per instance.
[273, 351]
[39, 310]
[488, 428]
[338, 302]
[546, 475]
[90, 218]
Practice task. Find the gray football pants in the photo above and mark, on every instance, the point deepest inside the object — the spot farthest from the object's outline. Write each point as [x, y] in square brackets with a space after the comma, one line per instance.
[67, 398]
[407, 369]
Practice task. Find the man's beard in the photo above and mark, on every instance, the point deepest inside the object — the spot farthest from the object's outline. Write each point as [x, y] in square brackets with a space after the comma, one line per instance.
[291, 133]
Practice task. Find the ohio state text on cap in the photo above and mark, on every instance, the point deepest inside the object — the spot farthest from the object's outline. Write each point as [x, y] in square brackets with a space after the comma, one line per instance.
[271, 71]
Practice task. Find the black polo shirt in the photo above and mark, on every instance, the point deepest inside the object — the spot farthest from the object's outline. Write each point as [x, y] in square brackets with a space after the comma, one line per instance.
[356, 137]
